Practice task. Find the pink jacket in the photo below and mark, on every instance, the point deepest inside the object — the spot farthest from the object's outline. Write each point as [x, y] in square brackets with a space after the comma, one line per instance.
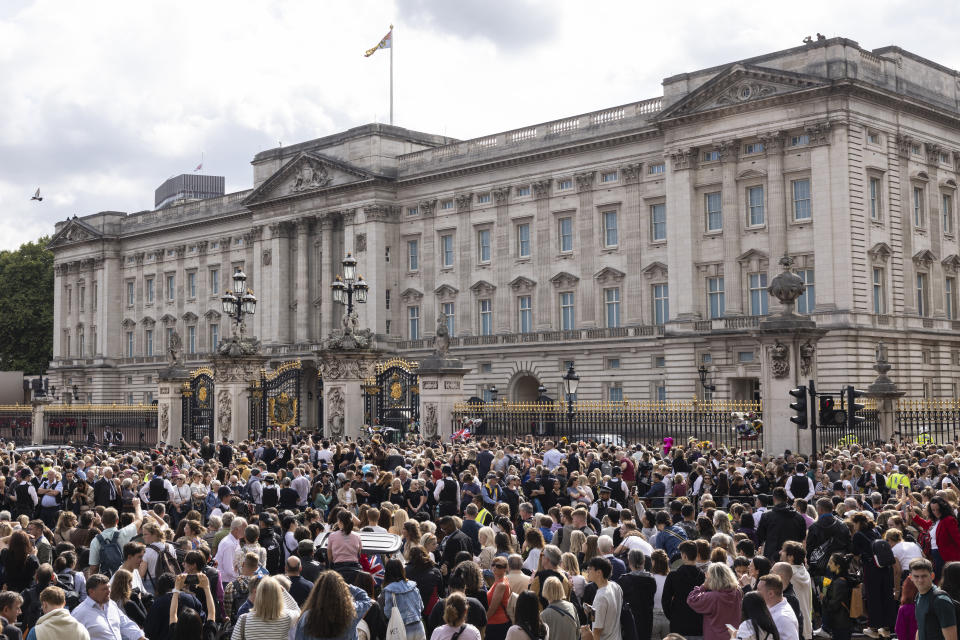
[718, 608]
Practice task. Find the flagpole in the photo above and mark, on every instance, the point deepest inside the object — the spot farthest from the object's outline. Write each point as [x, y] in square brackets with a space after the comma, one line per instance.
[393, 43]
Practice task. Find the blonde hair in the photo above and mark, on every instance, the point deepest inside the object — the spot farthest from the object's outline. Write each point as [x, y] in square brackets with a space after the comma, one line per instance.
[569, 563]
[399, 518]
[720, 577]
[578, 540]
[486, 536]
[268, 602]
[553, 589]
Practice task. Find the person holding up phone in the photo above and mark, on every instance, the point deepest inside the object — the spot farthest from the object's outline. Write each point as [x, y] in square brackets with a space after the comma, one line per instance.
[189, 625]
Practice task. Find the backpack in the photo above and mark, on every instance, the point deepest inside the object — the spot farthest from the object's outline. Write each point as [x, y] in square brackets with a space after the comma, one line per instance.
[166, 562]
[628, 626]
[111, 555]
[820, 557]
[241, 589]
[882, 553]
[274, 554]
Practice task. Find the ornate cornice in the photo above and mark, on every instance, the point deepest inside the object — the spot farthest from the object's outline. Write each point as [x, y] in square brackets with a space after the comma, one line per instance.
[541, 188]
[584, 180]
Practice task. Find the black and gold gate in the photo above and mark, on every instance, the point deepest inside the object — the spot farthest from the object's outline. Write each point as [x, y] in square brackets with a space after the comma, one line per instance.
[392, 400]
[275, 402]
[197, 403]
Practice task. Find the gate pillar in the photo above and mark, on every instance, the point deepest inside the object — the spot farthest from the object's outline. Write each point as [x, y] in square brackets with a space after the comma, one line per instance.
[170, 406]
[441, 386]
[343, 373]
[231, 410]
[886, 392]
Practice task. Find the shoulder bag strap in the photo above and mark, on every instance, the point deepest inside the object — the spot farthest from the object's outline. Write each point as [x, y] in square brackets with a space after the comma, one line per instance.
[457, 634]
[243, 627]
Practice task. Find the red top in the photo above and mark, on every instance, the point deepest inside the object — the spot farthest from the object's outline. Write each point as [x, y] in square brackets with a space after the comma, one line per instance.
[629, 470]
[500, 616]
[948, 536]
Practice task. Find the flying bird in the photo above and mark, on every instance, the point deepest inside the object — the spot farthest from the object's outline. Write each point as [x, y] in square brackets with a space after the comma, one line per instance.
[37, 196]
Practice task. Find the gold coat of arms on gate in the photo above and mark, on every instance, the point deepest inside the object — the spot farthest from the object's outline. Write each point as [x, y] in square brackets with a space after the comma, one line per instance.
[202, 395]
[282, 411]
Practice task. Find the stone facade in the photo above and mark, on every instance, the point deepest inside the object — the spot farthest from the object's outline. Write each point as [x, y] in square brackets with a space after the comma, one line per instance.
[636, 241]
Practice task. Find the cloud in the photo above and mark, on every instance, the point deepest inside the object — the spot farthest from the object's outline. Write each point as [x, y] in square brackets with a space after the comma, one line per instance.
[511, 25]
[103, 102]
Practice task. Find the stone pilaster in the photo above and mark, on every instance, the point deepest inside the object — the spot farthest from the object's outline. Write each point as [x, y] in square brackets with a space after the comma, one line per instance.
[902, 208]
[231, 381]
[343, 372]
[543, 253]
[732, 227]
[503, 311]
[630, 217]
[170, 406]
[587, 248]
[324, 296]
[776, 209]
[935, 225]
[681, 222]
[302, 302]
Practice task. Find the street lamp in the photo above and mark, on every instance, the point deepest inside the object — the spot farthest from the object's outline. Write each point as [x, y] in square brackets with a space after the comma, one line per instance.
[571, 380]
[493, 393]
[703, 371]
[350, 286]
[240, 301]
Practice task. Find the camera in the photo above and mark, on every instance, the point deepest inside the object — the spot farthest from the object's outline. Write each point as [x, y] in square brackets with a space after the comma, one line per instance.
[192, 579]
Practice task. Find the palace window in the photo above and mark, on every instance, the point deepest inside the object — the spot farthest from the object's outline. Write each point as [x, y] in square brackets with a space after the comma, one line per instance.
[523, 191]
[609, 228]
[611, 301]
[148, 342]
[171, 287]
[214, 337]
[450, 318]
[525, 314]
[483, 198]
[758, 294]
[567, 312]
[658, 222]
[918, 207]
[799, 141]
[486, 317]
[608, 176]
[483, 245]
[715, 297]
[130, 294]
[565, 229]
[129, 344]
[656, 169]
[801, 199]
[807, 301]
[615, 392]
[565, 185]
[413, 255]
[446, 205]
[950, 291]
[879, 291]
[214, 281]
[446, 246]
[713, 211]
[412, 211]
[923, 295]
[752, 147]
[711, 156]
[192, 285]
[946, 205]
[661, 304]
[413, 322]
[523, 240]
[755, 217]
[191, 339]
[876, 201]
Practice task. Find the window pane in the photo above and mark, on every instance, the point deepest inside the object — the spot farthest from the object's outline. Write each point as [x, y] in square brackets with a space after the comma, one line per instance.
[526, 314]
[755, 203]
[486, 318]
[413, 251]
[566, 234]
[714, 212]
[615, 394]
[484, 241]
[758, 294]
[658, 220]
[610, 228]
[661, 304]
[413, 315]
[715, 297]
[612, 302]
[874, 198]
[523, 240]
[449, 312]
[566, 311]
[801, 199]
[807, 300]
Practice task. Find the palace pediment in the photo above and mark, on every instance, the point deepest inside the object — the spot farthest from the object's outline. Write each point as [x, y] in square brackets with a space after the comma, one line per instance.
[73, 232]
[306, 173]
[740, 84]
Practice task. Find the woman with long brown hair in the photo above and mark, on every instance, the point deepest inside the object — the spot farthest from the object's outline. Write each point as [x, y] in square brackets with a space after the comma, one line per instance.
[121, 592]
[332, 610]
[19, 562]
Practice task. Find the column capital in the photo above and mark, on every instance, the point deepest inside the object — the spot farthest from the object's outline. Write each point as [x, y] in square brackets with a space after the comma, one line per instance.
[933, 153]
[303, 224]
[427, 207]
[349, 216]
[682, 159]
[379, 212]
[819, 132]
[728, 149]
[464, 201]
[202, 247]
[631, 172]
[584, 180]
[904, 145]
[772, 142]
[541, 188]
[278, 230]
[500, 194]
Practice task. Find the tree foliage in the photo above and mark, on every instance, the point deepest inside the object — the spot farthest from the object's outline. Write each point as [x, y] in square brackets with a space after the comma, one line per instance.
[26, 308]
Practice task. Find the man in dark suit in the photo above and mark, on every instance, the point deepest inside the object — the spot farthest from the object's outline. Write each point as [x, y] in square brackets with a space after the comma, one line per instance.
[484, 459]
[105, 491]
[454, 541]
[299, 586]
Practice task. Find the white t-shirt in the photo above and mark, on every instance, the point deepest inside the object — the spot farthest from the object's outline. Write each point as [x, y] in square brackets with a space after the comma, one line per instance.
[905, 551]
[606, 606]
[745, 632]
[933, 535]
[786, 620]
[658, 596]
[445, 632]
[636, 542]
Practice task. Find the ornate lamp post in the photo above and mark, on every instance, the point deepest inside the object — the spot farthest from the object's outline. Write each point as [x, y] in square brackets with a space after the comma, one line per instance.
[704, 372]
[571, 380]
[493, 394]
[239, 302]
[348, 287]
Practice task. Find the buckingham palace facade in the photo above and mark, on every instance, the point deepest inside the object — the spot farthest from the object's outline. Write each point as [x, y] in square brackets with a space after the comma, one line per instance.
[637, 241]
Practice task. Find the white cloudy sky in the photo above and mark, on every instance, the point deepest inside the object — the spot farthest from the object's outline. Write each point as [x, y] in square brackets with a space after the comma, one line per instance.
[100, 101]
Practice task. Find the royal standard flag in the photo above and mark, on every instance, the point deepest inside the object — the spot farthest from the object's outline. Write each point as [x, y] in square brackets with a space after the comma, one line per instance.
[383, 44]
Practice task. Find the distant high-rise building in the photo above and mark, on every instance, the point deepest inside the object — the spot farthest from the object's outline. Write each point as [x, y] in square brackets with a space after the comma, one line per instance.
[186, 187]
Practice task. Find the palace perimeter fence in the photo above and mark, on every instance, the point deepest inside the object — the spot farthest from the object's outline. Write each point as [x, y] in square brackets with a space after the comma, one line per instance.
[927, 421]
[622, 423]
[116, 426]
[16, 424]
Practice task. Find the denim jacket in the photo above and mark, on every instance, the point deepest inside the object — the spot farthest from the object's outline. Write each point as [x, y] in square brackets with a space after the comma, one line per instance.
[363, 604]
[406, 596]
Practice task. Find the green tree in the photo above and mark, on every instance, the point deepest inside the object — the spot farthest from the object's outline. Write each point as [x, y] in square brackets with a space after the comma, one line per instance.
[26, 308]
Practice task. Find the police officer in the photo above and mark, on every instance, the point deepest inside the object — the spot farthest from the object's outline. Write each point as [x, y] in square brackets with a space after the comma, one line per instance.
[26, 495]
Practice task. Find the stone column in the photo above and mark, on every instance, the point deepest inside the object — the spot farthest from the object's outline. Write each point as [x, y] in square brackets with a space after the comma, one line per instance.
[732, 228]
[441, 386]
[777, 211]
[788, 359]
[231, 380]
[543, 252]
[170, 406]
[503, 311]
[278, 307]
[886, 392]
[634, 294]
[343, 373]
[935, 225]
[326, 275]
[428, 266]
[901, 218]
[302, 278]
[682, 224]
[587, 248]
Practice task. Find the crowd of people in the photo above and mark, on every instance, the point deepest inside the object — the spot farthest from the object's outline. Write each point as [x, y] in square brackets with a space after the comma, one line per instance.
[504, 540]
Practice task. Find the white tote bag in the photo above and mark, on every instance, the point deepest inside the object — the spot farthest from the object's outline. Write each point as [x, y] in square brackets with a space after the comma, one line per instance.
[396, 630]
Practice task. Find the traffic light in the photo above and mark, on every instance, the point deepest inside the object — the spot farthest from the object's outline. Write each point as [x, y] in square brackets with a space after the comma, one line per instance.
[853, 407]
[800, 406]
[829, 414]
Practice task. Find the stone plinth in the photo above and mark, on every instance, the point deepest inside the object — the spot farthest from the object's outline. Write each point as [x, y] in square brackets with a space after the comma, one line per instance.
[36, 419]
[170, 406]
[788, 346]
[343, 373]
[886, 392]
[441, 386]
[231, 382]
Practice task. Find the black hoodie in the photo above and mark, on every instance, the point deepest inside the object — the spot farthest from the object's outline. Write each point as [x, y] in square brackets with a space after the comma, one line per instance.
[778, 525]
[676, 588]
